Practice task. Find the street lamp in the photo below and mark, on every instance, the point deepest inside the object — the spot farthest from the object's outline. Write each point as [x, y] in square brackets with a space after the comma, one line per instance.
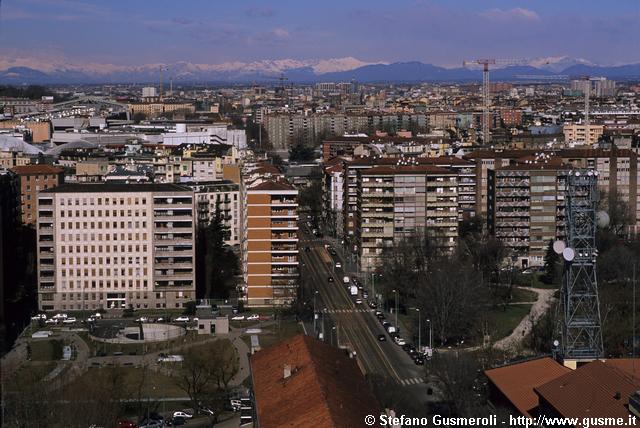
[332, 330]
[419, 330]
[315, 315]
[430, 336]
[395, 292]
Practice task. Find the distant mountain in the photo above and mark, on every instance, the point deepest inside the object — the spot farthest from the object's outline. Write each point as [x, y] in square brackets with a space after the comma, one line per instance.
[268, 71]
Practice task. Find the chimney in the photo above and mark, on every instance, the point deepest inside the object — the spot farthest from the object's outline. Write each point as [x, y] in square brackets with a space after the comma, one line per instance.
[287, 371]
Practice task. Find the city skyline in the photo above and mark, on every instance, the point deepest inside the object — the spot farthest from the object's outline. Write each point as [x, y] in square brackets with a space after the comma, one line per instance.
[132, 34]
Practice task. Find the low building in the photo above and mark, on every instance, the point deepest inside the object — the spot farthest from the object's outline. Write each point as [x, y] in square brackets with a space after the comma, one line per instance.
[213, 326]
[303, 382]
[578, 133]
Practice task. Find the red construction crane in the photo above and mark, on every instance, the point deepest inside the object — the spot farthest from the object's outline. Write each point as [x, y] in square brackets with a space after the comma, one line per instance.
[486, 96]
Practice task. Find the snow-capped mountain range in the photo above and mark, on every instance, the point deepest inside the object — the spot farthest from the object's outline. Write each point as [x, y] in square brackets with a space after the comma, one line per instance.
[27, 70]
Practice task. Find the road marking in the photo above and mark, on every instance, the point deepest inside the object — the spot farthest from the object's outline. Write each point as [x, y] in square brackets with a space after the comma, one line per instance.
[411, 381]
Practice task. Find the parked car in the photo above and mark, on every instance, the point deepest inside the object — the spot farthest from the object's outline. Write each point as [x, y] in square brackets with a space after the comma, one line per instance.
[358, 301]
[346, 279]
[51, 321]
[151, 423]
[206, 411]
[60, 316]
[69, 321]
[126, 423]
[237, 318]
[330, 279]
[379, 315]
[182, 318]
[39, 317]
[372, 304]
[235, 404]
[365, 295]
[338, 265]
[382, 338]
[142, 319]
[254, 317]
[182, 414]
[176, 422]
[97, 315]
[399, 341]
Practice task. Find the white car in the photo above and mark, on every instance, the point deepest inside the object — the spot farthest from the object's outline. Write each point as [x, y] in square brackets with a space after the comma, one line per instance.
[69, 321]
[142, 319]
[338, 265]
[358, 301]
[238, 318]
[182, 319]
[180, 414]
[97, 315]
[400, 341]
[254, 317]
[51, 321]
[195, 319]
[60, 316]
[38, 317]
[91, 319]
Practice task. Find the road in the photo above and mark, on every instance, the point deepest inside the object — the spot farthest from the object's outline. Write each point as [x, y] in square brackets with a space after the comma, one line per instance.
[357, 326]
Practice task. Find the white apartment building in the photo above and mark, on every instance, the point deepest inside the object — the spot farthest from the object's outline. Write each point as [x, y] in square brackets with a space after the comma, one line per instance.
[223, 195]
[115, 246]
[577, 132]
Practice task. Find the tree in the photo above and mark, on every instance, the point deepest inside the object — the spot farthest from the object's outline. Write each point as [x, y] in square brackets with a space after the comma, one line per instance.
[206, 372]
[617, 209]
[551, 264]
[301, 153]
[217, 262]
[311, 198]
[139, 117]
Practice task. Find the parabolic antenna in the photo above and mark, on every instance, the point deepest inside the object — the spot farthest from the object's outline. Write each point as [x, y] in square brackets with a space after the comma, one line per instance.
[568, 254]
[556, 343]
[559, 247]
[603, 219]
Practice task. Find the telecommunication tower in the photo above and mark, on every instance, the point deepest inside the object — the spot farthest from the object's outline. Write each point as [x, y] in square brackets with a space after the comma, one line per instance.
[579, 321]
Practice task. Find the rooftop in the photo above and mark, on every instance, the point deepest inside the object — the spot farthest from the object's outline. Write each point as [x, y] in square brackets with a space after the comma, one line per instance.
[117, 188]
[325, 388]
[37, 169]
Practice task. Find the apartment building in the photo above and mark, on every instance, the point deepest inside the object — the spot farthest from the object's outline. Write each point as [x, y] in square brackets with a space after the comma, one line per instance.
[33, 179]
[270, 241]
[115, 246]
[221, 196]
[397, 201]
[577, 132]
[526, 208]
[333, 197]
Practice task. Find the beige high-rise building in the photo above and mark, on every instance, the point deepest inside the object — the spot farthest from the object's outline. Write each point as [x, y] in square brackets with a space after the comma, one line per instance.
[115, 246]
[577, 132]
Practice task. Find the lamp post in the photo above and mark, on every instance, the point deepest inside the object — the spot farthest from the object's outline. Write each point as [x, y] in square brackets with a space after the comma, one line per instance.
[430, 336]
[419, 330]
[315, 315]
[395, 292]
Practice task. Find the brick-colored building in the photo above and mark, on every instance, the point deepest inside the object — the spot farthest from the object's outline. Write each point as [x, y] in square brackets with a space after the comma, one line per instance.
[270, 242]
[33, 179]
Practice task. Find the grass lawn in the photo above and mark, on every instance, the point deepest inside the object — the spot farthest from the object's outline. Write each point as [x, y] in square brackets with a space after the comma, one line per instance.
[272, 334]
[29, 373]
[502, 320]
[520, 295]
[46, 350]
[128, 379]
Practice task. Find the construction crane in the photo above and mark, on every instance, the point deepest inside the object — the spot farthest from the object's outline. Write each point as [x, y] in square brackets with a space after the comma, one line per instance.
[486, 95]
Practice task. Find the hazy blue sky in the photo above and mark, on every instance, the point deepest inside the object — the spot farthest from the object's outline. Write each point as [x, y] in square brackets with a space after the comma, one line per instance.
[213, 31]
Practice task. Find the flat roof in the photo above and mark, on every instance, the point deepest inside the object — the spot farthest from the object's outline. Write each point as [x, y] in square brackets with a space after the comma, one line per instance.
[117, 188]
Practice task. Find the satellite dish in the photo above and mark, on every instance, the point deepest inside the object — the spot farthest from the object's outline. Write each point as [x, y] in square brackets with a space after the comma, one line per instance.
[602, 218]
[556, 343]
[559, 247]
[568, 254]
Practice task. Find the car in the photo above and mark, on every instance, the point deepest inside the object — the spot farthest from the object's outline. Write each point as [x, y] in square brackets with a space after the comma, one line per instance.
[161, 319]
[419, 361]
[60, 316]
[182, 318]
[182, 414]
[318, 234]
[235, 309]
[399, 341]
[365, 295]
[345, 279]
[51, 321]
[235, 404]
[338, 265]
[385, 323]
[142, 319]
[409, 348]
[356, 282]
[151, 423]
[195, 319]
[238, 318]
[333, 252]
[358, 301]
[372, 304]
[97, 315]
[176, 421]
[126, 423]
[71, 320]
[38, 317]
[204, 410]
[382, 338]
[330, 279]
[91, 319]
[307, 249]
[379, 314]
[253, 317]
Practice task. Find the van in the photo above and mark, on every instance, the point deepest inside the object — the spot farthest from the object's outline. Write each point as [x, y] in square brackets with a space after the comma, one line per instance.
[391, 329]
[346, 279]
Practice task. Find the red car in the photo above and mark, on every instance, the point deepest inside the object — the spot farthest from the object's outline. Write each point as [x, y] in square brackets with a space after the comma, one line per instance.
[126, 423]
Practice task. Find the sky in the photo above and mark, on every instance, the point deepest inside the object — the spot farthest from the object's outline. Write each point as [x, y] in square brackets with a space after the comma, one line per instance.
[441, 32]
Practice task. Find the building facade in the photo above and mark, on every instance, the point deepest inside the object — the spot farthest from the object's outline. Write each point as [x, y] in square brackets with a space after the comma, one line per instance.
[270, 242]
[222, 196]
[115, 246]
[33, 179]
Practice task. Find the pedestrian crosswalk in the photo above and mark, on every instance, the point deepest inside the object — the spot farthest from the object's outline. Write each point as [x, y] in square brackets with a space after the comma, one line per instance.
[411, 381]
[347, 310]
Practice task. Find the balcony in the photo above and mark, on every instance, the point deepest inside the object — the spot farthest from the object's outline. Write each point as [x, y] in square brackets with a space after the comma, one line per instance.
[281, 259]
[284, 213]
[284, 225]
[284, 236]
[284, 202]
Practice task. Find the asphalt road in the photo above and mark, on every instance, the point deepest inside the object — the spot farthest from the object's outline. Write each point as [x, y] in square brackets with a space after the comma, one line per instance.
[358, 327]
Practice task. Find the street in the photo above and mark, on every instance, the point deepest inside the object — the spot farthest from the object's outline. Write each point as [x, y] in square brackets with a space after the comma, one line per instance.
[356, 326]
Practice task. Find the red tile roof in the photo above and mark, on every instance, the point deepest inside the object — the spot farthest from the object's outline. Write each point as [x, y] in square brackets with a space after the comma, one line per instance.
[272, 184]
[517, 381]
[325, 388]
[593, 390]
[37, 169]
